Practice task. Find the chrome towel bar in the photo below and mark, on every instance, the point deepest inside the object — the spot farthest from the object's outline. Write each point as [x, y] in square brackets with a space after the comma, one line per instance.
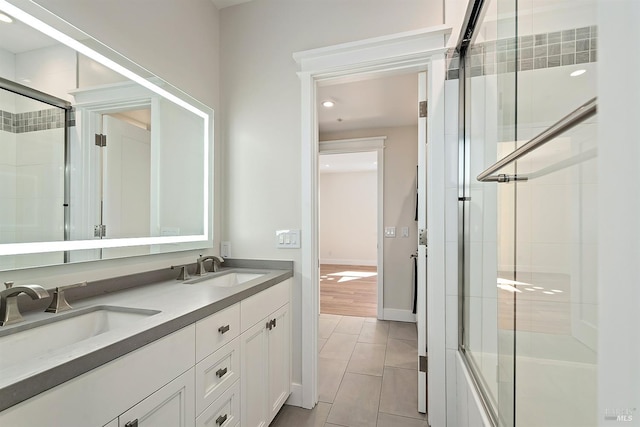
[572, 119]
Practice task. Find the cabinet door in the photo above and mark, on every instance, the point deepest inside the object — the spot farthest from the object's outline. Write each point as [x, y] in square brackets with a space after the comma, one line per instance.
[171, 406]
[253, 365]
[113, 423]
[279, 353]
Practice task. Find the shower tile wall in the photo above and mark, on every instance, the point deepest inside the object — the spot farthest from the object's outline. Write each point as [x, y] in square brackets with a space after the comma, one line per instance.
[534, 52]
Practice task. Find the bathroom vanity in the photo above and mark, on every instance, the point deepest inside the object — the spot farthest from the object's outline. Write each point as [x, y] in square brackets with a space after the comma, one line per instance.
[207, 351]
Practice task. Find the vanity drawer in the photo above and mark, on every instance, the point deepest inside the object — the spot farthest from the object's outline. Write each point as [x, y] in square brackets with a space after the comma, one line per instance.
[216, 330]
[216, 373]
[260, 305]
[224, 412]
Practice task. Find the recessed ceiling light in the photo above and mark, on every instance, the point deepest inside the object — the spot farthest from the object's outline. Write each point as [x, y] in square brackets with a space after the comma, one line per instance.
[5, 18]
[328, 104]
[577, 73]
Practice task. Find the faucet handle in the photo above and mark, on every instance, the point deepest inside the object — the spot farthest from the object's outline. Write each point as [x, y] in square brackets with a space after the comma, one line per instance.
[8, 284]
[59, 302]
[184, 274]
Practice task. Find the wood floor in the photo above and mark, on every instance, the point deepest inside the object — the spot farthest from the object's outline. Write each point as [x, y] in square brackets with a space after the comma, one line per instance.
[347, 294]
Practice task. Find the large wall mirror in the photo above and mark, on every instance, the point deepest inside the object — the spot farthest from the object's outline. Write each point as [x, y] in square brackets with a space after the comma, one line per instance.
[98, 158]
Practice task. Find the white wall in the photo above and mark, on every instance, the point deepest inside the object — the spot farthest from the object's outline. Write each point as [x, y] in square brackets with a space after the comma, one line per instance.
[348, 218]
[400, 163]
[261, 103]
[618, 213]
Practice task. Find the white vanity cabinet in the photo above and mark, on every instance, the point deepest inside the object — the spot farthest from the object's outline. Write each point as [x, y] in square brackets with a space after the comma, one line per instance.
[171, 406]
[265, 351]
[230, 369]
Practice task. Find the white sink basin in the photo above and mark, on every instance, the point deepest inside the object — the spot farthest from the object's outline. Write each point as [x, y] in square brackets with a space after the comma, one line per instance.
[40, 337]
[226, 280]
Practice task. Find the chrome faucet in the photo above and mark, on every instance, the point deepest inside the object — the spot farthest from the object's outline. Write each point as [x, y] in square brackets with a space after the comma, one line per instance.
[9, 311]
[200, 268]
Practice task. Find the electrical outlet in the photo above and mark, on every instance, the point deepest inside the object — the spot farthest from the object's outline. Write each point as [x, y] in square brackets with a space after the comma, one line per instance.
[225, 249]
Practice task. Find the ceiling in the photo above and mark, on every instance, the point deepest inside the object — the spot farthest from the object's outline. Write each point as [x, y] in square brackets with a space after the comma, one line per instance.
[18, 37]
[387, 101]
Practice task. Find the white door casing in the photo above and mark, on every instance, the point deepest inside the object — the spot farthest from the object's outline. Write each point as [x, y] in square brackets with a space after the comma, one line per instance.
[417, 51]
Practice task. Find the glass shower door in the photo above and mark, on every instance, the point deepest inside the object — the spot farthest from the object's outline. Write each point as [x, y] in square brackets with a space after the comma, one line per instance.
[490, 131]
[530, 281]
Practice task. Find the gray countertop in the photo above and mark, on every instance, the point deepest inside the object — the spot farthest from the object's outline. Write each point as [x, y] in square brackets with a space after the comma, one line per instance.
[179, 305]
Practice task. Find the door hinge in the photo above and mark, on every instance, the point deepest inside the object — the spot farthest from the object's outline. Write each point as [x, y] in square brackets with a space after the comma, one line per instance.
[423, 363]
[423, 237]
[101, 140]
[100, 230]
[423, 108]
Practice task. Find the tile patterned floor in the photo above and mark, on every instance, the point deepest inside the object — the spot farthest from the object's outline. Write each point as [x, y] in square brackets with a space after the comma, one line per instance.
[367, 376]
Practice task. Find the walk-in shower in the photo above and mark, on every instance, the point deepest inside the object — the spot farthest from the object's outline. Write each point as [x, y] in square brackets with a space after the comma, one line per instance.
[529, 204]
[34, 168]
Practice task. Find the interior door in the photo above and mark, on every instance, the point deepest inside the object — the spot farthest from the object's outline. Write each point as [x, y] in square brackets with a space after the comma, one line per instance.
[421, 291]
[126, 184]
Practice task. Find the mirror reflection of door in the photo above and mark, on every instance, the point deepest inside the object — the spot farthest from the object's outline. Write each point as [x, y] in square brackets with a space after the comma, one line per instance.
[126, 178]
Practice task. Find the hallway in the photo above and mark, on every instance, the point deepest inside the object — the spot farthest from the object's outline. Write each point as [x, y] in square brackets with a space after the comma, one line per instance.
[367, 376]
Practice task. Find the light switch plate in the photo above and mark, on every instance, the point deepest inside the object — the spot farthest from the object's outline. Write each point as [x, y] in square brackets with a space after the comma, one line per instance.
[404, 232]
[287, 239]
[389, 232]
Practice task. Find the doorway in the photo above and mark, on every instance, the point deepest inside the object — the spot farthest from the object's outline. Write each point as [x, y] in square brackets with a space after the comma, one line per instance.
[350, 210]
[412, 51]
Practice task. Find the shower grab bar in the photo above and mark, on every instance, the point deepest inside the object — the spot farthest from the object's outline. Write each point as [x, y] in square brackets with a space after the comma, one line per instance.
[572, 119]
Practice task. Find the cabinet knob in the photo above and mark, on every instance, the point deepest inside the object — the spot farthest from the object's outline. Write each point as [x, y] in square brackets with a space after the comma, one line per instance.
[223, 329]
[221, 372]
[221, 419]
[133, 423]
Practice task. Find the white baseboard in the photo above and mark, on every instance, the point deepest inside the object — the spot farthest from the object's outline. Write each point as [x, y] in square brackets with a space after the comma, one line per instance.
[295, 398]
[366, 262]
[399, 315]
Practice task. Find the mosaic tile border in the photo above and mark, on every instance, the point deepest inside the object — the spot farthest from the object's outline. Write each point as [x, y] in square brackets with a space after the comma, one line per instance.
[536, 51]
[33, 121]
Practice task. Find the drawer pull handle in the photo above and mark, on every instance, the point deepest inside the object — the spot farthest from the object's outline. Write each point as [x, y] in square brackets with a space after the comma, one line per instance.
[221, 419]
[221, 372]
[133, 423]
[269, 326]
[274, 323]
[223, 329]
